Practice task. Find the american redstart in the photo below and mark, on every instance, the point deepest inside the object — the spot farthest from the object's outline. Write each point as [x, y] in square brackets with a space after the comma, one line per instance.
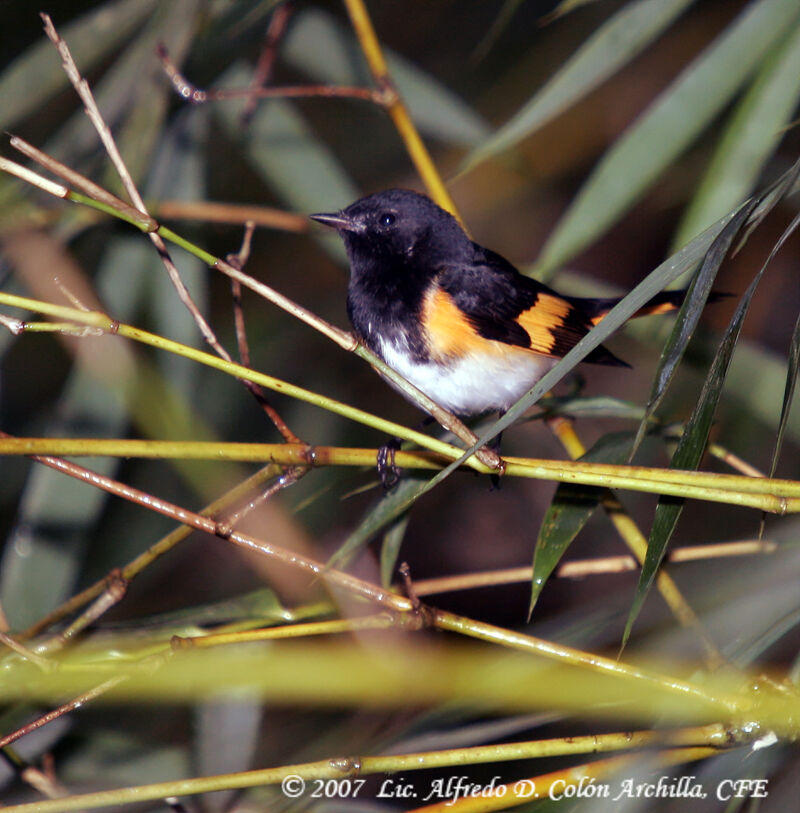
[455, 318]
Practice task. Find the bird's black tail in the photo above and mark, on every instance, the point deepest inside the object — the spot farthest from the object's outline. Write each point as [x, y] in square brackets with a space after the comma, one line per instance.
[663, 302]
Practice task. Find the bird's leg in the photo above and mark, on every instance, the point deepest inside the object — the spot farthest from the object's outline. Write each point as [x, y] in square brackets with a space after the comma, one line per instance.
[494, 445]
[387, 470]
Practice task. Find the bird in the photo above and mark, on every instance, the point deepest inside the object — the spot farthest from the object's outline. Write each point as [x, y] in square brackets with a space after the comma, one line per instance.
[454, 318]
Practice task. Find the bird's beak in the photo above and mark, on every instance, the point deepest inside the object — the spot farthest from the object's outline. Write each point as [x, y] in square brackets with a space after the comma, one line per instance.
[338, 221]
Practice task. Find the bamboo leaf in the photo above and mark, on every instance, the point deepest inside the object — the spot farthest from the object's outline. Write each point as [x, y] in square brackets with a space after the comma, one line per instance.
[570, 510]
[600, 406]
[613, 45]
[689, 314]
[390, 549]
[390, 507]
[750, 138]
[671, 123]
[788, 393]
[693, 441]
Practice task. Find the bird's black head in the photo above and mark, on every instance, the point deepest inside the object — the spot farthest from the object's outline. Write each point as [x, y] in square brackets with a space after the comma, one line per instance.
[397, 227]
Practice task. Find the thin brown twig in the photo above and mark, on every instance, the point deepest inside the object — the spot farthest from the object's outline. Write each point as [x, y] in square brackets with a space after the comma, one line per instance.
[734, 461]
[221, 529]
[44, 781]
[342, 338]
[289, 477]
[129, 571]
[266, 59]
[60, 711]
[581, 568]
[93, 112]
[41, 780]
[88, 187]
[238, 261]
[116, 588]
[238, 214]
[196, 95]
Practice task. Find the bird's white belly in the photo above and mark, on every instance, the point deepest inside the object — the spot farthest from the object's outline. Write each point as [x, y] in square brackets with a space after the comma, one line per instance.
[472, 384]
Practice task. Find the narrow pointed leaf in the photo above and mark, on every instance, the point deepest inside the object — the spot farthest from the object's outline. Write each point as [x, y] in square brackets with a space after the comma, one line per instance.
[693, 441]
[613, 45]
[391, 506]
[750, 138]
[788, 393]
[689, 314]
[390, 549]
[570, 510]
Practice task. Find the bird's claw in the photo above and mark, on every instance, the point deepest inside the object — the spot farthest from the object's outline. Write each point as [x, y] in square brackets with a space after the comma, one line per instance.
[387, 470]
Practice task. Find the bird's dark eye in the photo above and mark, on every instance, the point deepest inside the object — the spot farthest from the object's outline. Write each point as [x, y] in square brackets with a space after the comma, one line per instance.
[387, 219]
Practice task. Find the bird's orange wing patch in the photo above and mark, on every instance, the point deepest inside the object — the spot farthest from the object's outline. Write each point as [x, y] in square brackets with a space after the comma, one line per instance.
[449, 332]
[545, 321]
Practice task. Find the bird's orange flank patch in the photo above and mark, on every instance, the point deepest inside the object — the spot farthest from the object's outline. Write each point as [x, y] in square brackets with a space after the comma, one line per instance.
[449, 332]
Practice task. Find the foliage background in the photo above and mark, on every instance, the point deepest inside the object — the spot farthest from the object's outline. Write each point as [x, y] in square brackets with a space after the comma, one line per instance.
[318, 155]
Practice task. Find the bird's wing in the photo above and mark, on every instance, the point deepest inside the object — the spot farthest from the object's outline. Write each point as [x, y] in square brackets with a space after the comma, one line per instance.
[488, 298]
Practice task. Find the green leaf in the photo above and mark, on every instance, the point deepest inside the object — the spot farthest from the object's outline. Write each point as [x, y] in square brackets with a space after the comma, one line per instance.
[788, 394]
[600, 406]
[671, 123]
[693, 441]
[689, 315]
[750, 138]
[565, 7]
[500, 23]
[392, 505]
[570, 510]
[613, 45]
[390, 549]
